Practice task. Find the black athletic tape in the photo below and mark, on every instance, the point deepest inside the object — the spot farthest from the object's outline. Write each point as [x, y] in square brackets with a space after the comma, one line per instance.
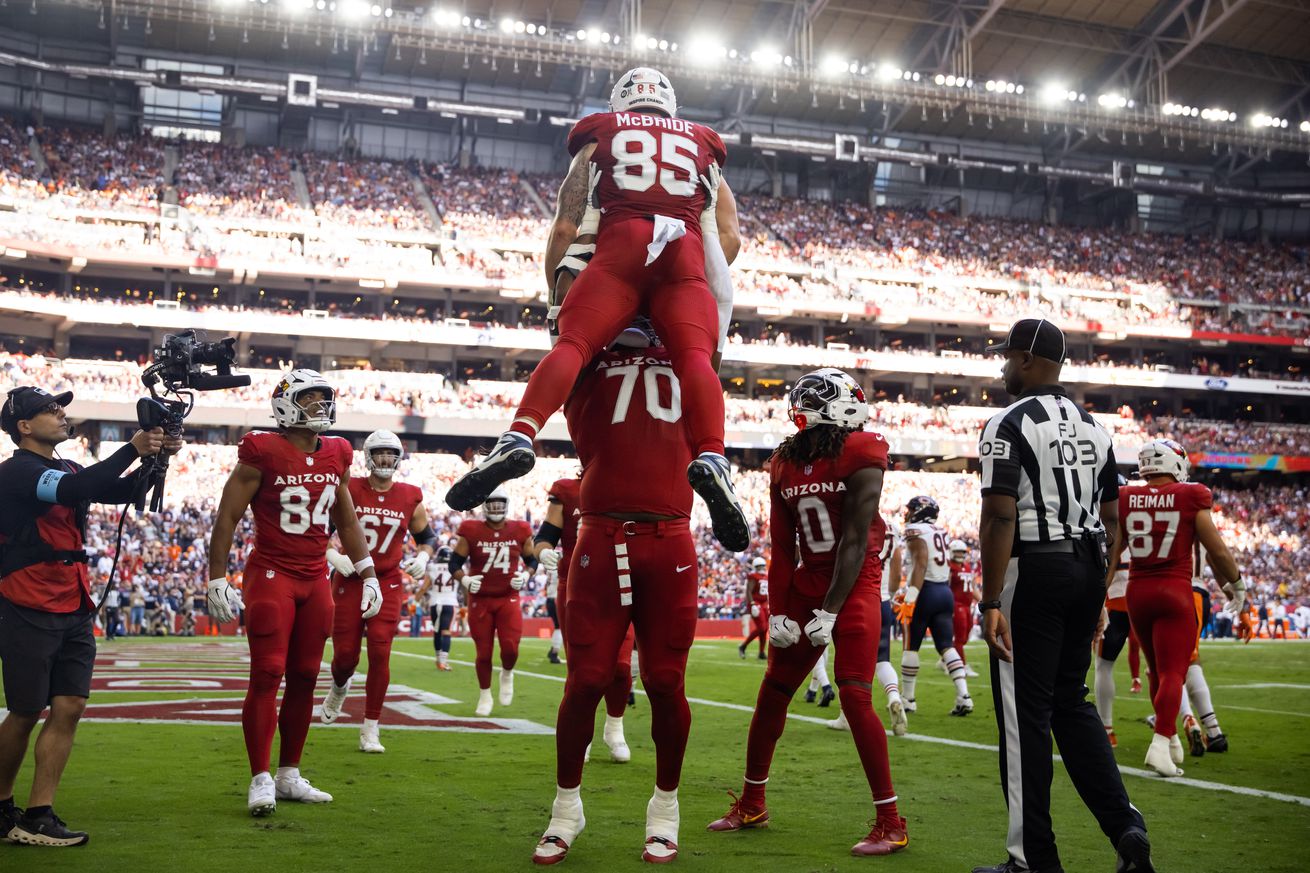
[549, 534]
[425, 537]
[457, 562]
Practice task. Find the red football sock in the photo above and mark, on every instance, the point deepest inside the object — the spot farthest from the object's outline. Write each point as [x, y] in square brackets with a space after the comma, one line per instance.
[379, 676]
[870, 743]
[766, 728]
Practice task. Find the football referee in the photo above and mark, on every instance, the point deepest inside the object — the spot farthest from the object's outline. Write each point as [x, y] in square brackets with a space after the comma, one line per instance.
[1050, 493]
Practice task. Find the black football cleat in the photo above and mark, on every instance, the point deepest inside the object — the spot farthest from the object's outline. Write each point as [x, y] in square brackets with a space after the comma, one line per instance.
[553, 657]
[828, 696]
[741, 651]
[1134, 852]
[1217, 743]
[511, 457]
[1010, 866]
[709, 476]
[811, 696]
[632, 698]
[764, 656]
[46, 829]
[9, 816]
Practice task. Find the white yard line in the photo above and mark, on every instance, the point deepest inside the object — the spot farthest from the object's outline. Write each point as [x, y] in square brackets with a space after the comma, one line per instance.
[961, 744]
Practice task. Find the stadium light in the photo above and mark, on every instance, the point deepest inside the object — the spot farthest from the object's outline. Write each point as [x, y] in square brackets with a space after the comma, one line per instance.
[1305, 127]
[1054, 93]
[353, 8]
[833, 66]
[507, 25]
[887, 72]
[766, 56]
[706, 51]
[1112, 101]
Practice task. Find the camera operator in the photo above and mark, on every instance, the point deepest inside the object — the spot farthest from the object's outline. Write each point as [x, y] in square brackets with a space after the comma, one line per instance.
[47, 647]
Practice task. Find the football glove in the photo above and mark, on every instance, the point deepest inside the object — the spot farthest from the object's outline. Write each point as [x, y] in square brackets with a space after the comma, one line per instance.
[518, 581]
[1236, 592]
[548, 558]
[711, 179]
[224, 601]
[371, 605]
[755, 610]
[472, 583]
[341, 563]
[819, 630]
[416, 566]
[783, 632]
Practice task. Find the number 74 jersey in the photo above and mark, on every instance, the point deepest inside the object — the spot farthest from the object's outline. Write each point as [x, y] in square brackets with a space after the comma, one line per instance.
[385, 517]
[1159, 524]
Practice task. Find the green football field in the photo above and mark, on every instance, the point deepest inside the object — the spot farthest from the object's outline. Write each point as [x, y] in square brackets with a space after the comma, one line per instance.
[161, 795]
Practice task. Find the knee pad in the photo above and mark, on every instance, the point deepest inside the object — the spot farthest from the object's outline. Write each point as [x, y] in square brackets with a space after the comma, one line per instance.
[854, 695]
[662, 681]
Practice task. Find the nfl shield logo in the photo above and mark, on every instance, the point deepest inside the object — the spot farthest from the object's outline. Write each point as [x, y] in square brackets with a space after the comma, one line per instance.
[586, 561]
[809, 468]
[309, 462]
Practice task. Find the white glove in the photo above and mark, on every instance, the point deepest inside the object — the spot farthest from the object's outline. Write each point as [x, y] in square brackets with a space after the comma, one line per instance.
[755, 610]
[548, 558]
[341, 563]
[1236, 592]
[713, 176]
[416, 566]
[224, 601]
[911, 594]
[783, 632]
[819, 630]
[371, 605]
[517, 581]
[472, 583]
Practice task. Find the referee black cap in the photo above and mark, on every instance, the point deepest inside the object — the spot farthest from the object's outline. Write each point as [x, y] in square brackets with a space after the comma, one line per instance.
[1036, 336]
[27, 402]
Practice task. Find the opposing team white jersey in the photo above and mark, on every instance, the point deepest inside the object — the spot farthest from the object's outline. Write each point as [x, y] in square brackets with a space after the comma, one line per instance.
[939, 558]
[552, 583]
[1119, 584]
[889, 547]
[442, 591]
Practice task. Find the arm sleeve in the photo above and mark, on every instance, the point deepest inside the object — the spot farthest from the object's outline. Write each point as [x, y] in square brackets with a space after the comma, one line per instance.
[98, 483]
[998, 451]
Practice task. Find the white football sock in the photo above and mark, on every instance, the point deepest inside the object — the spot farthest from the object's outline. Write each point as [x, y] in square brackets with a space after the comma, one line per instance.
[557, 640]
[955, 669]
[370, 724]
[443, 657]
[887, 677]
[1199, 691]
[909, 673]
[821, 671]
[1105, 691]
[662, 816]
[636, 668]
[288, 772]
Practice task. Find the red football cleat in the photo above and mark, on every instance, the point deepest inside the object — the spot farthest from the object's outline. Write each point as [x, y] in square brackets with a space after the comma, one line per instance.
[739, 817]
[659, 851]
[1137, 686]
[550, 850]
[1114, 741]
[883, 839]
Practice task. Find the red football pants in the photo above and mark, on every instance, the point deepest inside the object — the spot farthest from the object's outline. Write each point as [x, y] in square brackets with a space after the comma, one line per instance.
[493, 619]
[1164, 617]
[759, 627]
[287, 625]
[963, 625]
[614, 288]
[642, 559]
[349, 628]
[855, 635]
[616, 695]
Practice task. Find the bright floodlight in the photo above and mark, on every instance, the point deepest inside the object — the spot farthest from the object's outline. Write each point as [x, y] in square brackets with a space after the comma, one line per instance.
[834, 66]
[1054, 93]
[705, 51]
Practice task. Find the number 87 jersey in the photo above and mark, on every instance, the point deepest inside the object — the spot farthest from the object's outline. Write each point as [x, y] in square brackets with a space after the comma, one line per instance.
[293, 506]
[1159, 527]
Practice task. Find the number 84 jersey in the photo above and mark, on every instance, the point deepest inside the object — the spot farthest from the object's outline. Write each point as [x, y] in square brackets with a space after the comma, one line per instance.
[385, 517]
[293, 506]
[1159, 525]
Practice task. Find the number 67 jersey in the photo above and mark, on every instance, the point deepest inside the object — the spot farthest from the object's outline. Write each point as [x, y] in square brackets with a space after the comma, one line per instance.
[385, 517]
[293, 506]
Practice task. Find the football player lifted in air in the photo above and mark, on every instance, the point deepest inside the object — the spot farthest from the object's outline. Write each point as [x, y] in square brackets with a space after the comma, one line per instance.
[634, 563]
[387, 509]
[295, 481]
[757, 596]
[929, 603]
[485, 561]
[652, 174]
[824, 485]
[1160, 523]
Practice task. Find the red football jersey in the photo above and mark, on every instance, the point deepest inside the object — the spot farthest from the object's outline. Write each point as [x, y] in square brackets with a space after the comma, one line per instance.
[385, 517]
[1160, 527]
[961, 578]
[650, 165]
[494, 553]
[293, 506]
[625, 417]
[812, 496]
[568, 494]
[760, 591]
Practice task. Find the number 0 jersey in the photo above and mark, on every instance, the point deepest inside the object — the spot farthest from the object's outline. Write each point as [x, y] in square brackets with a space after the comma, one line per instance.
[293, 506]
[1160, 528]
[650, 165]
[935, 538]
[625, 417]
[812, 496]
[385, 517]
[494, 553]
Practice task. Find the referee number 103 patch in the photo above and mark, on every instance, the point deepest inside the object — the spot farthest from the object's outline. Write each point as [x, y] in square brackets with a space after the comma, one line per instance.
[996, 449]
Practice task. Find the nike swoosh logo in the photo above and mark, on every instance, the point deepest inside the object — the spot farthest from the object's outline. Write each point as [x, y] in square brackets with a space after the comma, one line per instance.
[688, 567]
[397, 585]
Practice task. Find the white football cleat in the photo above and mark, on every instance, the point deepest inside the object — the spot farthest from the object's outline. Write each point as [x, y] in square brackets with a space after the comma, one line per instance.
[586, 756]
[900, 723]
[662, 820]
[297, 788]
[1176, 749]
[963, 705]
[566, 822]
[506, 687]
[1159, 759]
[336, 698]
[909, 705]
[261, 800]
[613, 736]
[484, 703]
[839, 723]
[368, 739]
[969, 672]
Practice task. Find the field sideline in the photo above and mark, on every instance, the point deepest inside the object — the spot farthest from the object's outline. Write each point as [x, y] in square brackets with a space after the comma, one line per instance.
[450, 793]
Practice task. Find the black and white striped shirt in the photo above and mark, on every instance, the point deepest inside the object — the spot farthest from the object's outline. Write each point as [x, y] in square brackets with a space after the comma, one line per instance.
[1055, 460]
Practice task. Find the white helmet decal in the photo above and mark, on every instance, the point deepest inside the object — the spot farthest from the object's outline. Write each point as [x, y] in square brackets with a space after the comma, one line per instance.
[288, 412]
[644, 88]
[380, 440]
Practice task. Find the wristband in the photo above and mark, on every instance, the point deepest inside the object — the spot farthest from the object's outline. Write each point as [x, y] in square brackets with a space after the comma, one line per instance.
[426, 537]
[361, 566]
[989, 604]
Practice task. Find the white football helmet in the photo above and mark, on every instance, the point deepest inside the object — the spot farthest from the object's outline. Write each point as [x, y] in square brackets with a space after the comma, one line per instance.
[1163, 458]
[644, 88]
[380, 440]
[288, 412]
[496, 506]
[958, 547]
[827, 396]
[758, 564]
